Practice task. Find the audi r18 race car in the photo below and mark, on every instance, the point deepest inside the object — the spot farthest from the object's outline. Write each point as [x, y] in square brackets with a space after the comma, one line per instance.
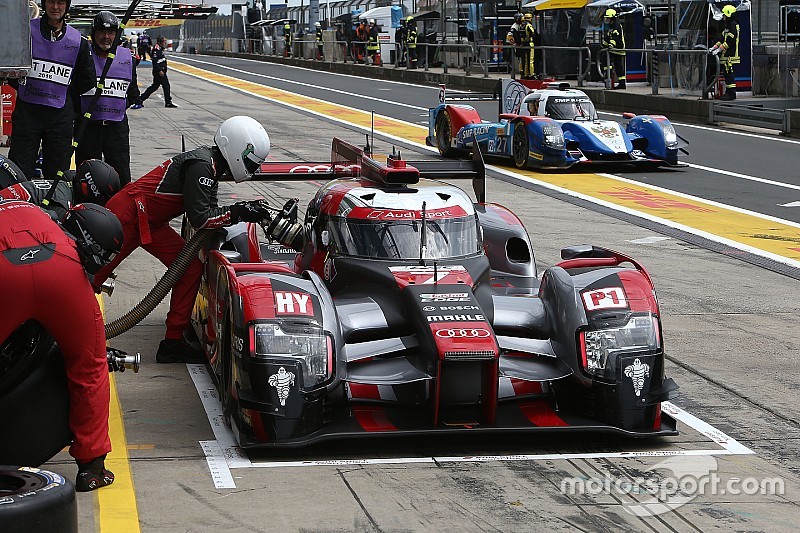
[550, 128]
[400, 306]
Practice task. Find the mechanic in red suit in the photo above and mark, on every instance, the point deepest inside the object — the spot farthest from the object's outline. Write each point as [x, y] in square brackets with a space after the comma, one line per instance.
[187, 184]
[44, 273]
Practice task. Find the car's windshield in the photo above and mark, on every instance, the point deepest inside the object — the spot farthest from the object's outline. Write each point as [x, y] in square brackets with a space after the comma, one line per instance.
[395, 239]
[570, 108]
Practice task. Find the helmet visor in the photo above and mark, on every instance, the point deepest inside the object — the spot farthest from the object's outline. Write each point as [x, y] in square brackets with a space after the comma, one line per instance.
[251, 161]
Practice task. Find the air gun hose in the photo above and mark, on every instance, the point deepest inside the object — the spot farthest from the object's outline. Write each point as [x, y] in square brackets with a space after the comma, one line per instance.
[188, 254]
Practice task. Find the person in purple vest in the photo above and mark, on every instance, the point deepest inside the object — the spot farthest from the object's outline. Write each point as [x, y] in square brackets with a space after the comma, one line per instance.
[62, 68]
[107, 134]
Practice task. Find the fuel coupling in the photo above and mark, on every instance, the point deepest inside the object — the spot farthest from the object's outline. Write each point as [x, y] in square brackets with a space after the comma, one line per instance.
[285, 228]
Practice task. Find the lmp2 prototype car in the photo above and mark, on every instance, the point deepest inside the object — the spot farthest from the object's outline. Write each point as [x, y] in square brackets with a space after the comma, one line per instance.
[553, 127]
[405, 308]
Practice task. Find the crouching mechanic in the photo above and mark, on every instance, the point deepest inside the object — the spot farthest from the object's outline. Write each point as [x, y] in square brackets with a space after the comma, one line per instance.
[188, 184]
[95, 181]
[40, 263]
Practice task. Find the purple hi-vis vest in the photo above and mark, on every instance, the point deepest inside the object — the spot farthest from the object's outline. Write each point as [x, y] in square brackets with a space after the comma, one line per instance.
[53, 62]
[112, 103]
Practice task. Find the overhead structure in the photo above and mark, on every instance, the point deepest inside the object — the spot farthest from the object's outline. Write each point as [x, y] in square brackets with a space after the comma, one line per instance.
[145, 14]
[544, 5]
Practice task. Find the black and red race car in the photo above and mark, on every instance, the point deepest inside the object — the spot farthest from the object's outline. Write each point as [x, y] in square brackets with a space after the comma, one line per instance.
[407, 308]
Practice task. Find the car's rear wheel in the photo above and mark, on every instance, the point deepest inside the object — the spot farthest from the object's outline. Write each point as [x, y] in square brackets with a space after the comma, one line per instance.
[520, 145]
[444, 134]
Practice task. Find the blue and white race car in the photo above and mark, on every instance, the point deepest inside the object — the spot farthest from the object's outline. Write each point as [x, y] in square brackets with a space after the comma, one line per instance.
[554, 127]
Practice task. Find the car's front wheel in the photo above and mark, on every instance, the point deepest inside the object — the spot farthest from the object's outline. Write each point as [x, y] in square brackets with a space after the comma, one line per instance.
[444, 134]
[520, 145]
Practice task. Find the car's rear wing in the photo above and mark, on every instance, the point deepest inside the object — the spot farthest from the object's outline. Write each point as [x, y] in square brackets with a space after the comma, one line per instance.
[348, 160]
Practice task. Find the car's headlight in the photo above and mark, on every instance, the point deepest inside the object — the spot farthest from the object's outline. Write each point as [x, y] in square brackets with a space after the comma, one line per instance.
[553, 136]
[670, 137]
[601, 347]
[305, 342]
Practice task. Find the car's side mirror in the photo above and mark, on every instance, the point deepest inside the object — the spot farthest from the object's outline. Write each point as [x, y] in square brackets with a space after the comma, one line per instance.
[583, 251]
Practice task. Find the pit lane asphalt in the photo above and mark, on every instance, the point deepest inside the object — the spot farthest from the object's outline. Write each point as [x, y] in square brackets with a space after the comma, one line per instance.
[723, 318]
[728, 157]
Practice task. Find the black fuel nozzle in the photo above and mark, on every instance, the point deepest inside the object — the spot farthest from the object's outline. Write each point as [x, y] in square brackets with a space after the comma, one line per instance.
[118, 360]
[285, 228]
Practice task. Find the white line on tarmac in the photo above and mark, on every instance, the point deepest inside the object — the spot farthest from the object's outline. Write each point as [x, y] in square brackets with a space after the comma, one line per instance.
[681, 124]
[400, 104]
[523, 179]
[221, 458]
[222, 453]
[696, 199]
[745, 176]
[721, 130]
[317, 73]
[326, 89]
[220, 473]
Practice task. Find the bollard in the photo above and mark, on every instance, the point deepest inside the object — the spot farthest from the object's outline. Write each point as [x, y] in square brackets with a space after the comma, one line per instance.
[654, 73]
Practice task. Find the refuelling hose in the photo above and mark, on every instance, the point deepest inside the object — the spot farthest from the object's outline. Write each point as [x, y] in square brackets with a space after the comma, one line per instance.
[188, 254]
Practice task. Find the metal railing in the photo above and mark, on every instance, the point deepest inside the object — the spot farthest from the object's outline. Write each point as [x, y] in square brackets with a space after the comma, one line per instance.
[750, 115]
[689, 68]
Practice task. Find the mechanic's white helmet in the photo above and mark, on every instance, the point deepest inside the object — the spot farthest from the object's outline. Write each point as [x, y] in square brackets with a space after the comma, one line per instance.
[244, 144]
[317, 25]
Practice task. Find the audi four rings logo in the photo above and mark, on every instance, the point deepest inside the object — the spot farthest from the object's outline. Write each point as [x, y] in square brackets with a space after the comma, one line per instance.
[463, 333]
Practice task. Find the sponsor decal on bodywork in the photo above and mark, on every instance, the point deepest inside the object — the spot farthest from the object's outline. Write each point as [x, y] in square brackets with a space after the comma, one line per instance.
[473, 337]
[605, 298]
[451, 318]
[369, 213]
[282, 381]
[637, 371]
[430, 275]
[293, 303]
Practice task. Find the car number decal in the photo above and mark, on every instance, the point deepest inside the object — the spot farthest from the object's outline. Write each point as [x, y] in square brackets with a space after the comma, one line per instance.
[605, 298]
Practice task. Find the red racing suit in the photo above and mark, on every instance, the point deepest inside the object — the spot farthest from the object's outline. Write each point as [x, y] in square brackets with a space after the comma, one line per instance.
[44, 280]
[188, 184]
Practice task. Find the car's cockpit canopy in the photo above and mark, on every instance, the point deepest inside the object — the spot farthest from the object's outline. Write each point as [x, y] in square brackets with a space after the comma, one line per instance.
[379, 224]
[565, 107]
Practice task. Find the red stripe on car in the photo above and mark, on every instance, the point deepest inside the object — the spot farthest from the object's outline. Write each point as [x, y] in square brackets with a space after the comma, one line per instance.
[641, 297]
[373, 419]
[360, 391]
[541, 415]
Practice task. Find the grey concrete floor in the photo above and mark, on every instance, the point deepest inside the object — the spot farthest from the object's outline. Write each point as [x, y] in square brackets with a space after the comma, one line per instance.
[724, 319]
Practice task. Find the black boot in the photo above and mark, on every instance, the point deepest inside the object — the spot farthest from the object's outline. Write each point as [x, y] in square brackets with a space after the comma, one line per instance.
[178, 351]
[729, 95]
[93, 475]
[620, 85]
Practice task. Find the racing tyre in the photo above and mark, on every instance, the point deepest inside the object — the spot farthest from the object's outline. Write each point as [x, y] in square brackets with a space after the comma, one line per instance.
[520, 145]
[34, 402]
[444, 134]
[36, 500]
